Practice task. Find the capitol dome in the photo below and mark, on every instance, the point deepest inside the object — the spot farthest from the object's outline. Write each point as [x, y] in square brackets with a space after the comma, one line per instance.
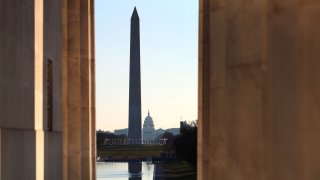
[149, 132]
[148, 121]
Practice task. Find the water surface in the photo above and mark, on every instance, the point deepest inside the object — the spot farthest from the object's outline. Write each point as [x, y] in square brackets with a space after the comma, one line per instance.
[125, 170]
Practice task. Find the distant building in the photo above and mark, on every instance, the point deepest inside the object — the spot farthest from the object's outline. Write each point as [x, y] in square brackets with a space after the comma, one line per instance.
[160, 132]
[174, 131]
[148, 130]
[121, 131]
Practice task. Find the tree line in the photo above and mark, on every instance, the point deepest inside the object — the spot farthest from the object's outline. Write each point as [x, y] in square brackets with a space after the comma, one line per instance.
[185, 143]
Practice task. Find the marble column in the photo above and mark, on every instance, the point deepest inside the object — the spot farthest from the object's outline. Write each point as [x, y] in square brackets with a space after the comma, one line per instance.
[74, 90]
[258, 89]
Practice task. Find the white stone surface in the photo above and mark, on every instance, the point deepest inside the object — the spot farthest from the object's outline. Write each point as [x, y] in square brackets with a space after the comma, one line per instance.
[31, 33]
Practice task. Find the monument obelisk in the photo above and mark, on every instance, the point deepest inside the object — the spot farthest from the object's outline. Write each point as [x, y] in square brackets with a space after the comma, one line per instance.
[134, 133]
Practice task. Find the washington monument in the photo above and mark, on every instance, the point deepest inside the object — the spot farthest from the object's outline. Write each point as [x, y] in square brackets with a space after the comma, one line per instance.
[134, 133]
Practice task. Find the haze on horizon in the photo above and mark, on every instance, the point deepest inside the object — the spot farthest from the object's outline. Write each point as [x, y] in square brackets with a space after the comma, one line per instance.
[169, 61]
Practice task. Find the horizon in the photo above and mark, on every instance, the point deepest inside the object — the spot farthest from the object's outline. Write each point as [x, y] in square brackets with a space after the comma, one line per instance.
[169, 57]
[127, 128]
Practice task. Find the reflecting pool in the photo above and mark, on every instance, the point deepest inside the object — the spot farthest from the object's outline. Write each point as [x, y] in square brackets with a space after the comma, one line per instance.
[125, 170]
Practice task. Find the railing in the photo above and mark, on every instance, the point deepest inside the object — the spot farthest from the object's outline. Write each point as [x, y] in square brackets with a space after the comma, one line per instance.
[135, 141]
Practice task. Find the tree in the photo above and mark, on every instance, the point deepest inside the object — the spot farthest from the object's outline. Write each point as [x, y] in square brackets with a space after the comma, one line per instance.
[103, 135]
[169, 136]
[185, 144]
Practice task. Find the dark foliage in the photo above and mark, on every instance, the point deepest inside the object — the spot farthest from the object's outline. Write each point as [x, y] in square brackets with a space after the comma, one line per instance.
[169, 136]
[103, 135]
[185, 144]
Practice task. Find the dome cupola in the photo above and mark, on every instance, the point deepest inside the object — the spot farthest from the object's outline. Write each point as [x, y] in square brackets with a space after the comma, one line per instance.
[148, 128]
[148, 121]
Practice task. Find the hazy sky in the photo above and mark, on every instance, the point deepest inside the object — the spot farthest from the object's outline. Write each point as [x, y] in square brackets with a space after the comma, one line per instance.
[169, 69]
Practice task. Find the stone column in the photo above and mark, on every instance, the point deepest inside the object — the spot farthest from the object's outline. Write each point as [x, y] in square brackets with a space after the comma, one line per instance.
[259, 89]
[231, 89]
[38, 87]
[294, 84]
[64, 86]
[308, 25]
[85, 27]
[74, 93]
[93, 88]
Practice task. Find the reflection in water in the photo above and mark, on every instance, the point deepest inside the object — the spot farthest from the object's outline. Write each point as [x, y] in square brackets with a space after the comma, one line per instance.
[125, 170]
[134, 169]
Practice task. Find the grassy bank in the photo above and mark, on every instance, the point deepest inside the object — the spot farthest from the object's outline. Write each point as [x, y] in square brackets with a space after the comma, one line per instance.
[129, 151]
[178, 170]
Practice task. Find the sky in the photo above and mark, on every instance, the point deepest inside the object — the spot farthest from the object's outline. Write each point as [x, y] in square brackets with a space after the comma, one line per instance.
[169, 61]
